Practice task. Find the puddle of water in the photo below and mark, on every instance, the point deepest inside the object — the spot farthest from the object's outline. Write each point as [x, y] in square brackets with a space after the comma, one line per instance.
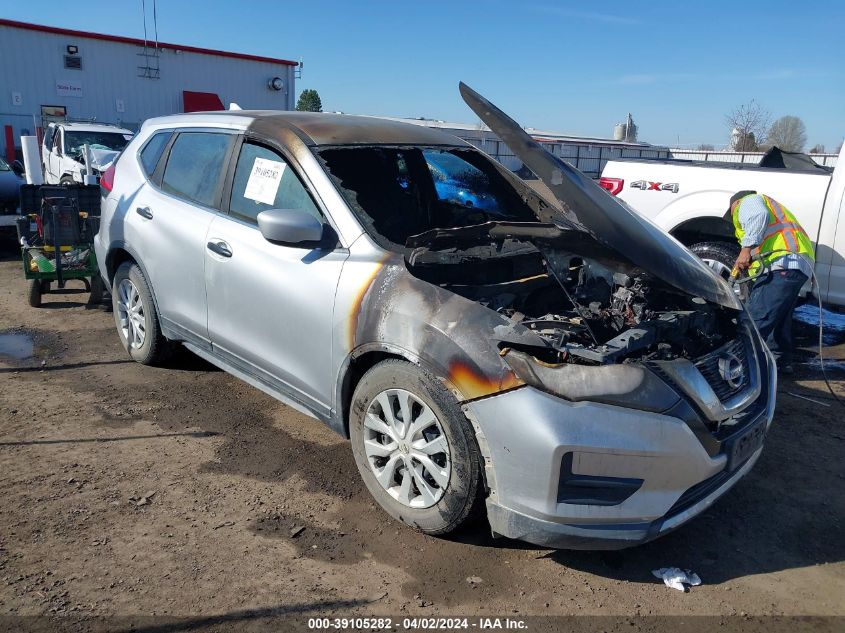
[809, 313]
[834, 323]
[831, 366]
[17, 346]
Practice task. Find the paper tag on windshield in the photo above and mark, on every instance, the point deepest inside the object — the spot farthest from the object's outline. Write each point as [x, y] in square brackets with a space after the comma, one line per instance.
[263, 183]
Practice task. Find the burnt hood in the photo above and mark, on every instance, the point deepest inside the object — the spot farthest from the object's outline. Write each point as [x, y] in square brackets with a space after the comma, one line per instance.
[584, 204]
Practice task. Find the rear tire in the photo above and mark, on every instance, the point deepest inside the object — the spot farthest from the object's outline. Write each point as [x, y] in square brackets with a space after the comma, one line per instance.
[96, 288]
[437, 453]
[33, 295]
[720, 256]
[67, 180]
[136, 318]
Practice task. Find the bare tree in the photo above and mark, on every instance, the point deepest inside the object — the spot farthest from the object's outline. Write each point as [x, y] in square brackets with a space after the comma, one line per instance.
[838, 148]
[788, 133]
[747, 123]
[705, 147]
[818, 148]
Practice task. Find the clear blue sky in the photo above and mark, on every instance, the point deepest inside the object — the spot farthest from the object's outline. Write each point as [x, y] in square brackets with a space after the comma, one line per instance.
[578, 68]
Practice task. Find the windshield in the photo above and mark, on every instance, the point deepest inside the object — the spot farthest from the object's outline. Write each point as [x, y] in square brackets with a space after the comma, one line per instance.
[4, 166]
[403, 191]
[96, 140]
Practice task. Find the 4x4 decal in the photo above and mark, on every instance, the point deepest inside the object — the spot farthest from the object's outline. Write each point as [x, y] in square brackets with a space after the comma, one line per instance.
[647, 185]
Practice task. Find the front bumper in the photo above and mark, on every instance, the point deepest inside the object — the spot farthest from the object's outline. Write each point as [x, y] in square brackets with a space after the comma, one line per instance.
[532, 441]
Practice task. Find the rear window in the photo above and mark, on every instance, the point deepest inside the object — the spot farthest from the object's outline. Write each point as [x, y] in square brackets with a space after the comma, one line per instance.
[194, 166]
[152, 151]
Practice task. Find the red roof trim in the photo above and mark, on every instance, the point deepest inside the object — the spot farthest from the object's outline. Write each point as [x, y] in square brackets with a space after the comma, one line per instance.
[133, 40]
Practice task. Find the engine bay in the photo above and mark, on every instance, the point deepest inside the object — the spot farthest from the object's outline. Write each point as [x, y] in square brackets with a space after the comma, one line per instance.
[585, 311]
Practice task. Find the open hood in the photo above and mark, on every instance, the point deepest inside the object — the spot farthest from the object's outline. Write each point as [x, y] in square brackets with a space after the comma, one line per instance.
[586, 205]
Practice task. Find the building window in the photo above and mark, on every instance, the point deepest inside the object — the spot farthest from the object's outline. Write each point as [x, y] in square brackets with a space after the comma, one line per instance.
[73, 62]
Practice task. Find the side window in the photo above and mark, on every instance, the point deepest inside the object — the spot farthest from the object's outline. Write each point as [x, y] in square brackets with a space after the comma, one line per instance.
[263, 180]
[48, 139]
[194, 165]
[152, 151]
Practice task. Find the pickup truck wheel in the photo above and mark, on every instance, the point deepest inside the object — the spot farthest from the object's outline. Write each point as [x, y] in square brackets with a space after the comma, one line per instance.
[135, 316]
[720, 256]
[414, 447]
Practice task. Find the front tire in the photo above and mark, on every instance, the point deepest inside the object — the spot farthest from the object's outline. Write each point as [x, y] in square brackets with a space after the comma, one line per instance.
[414, 447]
[136, 318]
[720, 256]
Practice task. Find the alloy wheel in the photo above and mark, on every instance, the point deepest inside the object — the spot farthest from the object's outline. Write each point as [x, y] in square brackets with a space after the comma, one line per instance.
[723, 270]
[130, 310]
[718, 267]
[406, 448]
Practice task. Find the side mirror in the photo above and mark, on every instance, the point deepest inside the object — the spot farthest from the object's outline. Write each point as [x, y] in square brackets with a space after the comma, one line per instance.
[289, 226]
[18, 168]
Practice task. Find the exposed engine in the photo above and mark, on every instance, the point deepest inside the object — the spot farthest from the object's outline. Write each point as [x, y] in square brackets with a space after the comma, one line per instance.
[615, 317]
[594, 315]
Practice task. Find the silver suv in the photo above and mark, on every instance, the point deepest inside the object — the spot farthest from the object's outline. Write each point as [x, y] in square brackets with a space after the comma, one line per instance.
[542, 351]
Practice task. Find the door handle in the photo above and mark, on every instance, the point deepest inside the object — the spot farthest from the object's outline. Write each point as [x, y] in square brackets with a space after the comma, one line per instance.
[144, 212]
[220, 247]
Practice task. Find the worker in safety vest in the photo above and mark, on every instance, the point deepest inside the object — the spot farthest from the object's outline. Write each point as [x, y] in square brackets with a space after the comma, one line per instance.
[776, 250]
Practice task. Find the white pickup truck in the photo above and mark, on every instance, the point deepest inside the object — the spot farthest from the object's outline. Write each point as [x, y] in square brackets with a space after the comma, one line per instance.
[688, 199]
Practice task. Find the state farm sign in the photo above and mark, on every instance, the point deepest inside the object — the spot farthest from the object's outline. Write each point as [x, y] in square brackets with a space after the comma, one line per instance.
[68, 88]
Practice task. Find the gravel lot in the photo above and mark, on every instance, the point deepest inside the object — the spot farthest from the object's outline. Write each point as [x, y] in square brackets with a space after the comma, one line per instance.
[180, 492]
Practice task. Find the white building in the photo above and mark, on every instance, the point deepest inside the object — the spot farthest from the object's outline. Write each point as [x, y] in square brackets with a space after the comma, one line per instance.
[46, 71]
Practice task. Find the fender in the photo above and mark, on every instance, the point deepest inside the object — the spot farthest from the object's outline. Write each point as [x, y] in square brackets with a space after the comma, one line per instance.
[701, 204]
[116, 245]
[339, 423]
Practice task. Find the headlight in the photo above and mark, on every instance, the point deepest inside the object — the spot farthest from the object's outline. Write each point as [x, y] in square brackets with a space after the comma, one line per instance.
[629, 385]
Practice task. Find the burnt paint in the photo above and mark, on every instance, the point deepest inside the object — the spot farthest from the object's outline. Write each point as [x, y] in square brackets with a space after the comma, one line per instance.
[453, 336]
[473, 384]
[355, 309]
[323, 128]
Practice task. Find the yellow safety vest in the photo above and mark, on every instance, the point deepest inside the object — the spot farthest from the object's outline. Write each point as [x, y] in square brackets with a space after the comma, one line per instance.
[783, 233]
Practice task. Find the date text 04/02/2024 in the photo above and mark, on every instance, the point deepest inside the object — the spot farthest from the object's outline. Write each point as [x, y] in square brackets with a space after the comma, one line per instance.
[424, 623]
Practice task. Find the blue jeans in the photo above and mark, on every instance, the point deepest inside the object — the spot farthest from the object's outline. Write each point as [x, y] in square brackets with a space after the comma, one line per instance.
[773, 298]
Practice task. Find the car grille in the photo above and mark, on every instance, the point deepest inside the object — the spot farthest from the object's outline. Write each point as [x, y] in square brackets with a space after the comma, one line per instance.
[708, 365]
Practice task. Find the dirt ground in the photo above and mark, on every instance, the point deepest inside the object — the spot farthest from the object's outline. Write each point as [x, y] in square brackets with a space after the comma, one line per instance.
[134, 491]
